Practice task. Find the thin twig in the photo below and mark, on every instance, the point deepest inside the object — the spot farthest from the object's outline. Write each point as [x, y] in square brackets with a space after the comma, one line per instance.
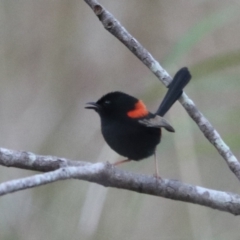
[84, 172]
[114, 27]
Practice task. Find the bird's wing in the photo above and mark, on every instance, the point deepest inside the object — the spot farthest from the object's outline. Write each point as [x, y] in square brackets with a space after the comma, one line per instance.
[156, 122]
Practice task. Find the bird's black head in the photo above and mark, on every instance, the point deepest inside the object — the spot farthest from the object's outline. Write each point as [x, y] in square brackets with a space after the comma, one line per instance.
[118, 104]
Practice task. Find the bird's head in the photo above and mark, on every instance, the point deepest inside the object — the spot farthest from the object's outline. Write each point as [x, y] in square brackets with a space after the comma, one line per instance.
[119, 104]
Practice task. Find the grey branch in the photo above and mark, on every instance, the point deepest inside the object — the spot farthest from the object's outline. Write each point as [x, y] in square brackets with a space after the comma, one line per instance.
[114, 27]
[109, 176]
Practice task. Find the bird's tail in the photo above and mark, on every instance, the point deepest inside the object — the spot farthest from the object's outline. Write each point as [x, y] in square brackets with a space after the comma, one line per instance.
[175, 90]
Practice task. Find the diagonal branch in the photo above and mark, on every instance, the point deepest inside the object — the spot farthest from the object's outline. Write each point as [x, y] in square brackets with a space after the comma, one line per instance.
[109, 176]
[115, 28]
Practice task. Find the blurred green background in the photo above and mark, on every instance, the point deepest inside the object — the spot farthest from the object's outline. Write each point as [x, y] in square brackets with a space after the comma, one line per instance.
[55, 56]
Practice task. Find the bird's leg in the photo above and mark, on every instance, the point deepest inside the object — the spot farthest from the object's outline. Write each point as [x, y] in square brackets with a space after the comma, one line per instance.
[121, 161]
[156, 166]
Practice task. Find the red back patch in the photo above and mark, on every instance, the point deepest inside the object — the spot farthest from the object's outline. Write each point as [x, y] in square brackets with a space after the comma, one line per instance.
[139, 110]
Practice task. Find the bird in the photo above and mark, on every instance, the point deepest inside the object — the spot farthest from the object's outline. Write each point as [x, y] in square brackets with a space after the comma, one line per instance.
[129, 128]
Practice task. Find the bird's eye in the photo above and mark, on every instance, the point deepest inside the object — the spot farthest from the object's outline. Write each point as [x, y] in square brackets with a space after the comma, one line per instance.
[107, 102]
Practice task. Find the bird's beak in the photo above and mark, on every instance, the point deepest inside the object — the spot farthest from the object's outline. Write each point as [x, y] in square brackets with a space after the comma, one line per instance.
[93, 105]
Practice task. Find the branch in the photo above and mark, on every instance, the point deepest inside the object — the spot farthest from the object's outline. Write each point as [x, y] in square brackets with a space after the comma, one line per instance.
[109, 176]
[31, 161]
[115, 28]
[81, 172]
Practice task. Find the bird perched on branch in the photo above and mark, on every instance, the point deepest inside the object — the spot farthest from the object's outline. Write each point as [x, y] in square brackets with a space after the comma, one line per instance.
[129, 128]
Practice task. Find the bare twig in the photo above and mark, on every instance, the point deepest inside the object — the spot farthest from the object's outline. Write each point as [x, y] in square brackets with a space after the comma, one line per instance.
[31, 161]
[114, 27]
[82, 172]
[110, 176]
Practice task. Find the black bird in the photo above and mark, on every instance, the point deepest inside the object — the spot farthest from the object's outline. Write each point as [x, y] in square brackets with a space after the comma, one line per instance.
[129, 128]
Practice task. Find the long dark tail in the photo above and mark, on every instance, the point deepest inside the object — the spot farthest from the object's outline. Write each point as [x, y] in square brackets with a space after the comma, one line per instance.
[175, 90]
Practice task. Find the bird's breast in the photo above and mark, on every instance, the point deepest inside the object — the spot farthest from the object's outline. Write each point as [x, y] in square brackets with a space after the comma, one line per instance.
[130, 139]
